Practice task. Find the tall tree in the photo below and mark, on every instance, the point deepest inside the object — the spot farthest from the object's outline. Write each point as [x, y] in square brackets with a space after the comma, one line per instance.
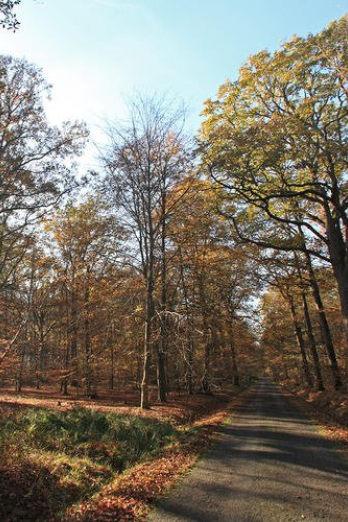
[35, 157]
[86, 239]
[276, 139]
[145, 159]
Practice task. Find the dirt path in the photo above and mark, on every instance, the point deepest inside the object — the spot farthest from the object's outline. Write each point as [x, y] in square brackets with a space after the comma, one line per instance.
[270, 464]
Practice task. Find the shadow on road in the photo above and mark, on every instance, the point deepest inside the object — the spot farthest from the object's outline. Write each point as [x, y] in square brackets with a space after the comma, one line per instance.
[270, 463]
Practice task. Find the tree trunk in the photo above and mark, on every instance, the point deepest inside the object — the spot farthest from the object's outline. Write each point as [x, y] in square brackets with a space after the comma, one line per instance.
[66, 359]
[19, 372]
[90, 391]
[161, 376]
[339, 260]
[301, 343]
[39, 355]
[138, 376]
[206, 379]
[309, 329]
[66, 355]
[73, 330]
[312, 344]
[189, 348]
[144, 399]
[162, 343]
[235, 372]
[112, 356]
[324, 325]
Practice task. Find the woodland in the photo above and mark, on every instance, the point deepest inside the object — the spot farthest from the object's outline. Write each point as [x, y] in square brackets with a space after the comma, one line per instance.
[185, 266]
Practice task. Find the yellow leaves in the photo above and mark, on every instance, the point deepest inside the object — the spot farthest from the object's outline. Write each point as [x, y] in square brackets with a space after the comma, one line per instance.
[284, 109]
[225, 89]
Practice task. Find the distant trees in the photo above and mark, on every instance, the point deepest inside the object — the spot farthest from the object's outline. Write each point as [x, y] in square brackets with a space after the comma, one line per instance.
[35, 162]
[86, 242]
[125, 287]
[84, 306]
[216, 283]
[293, 338]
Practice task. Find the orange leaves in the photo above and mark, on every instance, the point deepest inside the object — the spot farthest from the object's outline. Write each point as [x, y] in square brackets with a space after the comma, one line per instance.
[130, 496]
[109, 508]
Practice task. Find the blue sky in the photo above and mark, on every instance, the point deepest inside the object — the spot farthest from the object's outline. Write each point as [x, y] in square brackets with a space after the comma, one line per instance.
[97, 52]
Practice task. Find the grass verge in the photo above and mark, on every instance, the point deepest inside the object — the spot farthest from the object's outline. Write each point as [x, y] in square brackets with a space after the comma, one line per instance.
[131, 495]
[89, 464]
[53, 459]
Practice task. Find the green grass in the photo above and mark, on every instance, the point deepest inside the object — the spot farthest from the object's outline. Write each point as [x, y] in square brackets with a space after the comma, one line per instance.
[50, 459]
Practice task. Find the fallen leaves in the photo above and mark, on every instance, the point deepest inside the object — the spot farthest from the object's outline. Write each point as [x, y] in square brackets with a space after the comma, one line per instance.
[46, 483]
[324, 407]
[131, 495]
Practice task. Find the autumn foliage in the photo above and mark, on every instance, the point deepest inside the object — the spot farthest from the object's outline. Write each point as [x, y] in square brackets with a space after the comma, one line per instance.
[179, 271]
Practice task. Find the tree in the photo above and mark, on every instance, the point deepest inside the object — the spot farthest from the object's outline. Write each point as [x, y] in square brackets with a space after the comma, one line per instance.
[277, 338]
[9, 20]
[214, 289]
[276, 140]
[238, 284]
[144, 160]
[86, 239]
[194, 234]
[35, 157]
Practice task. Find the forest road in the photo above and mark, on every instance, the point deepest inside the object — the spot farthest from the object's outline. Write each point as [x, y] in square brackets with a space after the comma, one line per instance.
[269, 464]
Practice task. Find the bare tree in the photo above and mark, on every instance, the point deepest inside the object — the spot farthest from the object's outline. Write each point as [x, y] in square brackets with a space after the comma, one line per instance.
[9, 18]
[145, 160]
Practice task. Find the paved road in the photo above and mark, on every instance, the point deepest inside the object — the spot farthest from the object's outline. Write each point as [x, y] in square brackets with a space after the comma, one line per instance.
[269, 464]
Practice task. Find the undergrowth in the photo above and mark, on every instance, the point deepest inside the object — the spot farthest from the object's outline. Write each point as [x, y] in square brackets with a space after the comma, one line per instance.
[88, 465]
[51, 459]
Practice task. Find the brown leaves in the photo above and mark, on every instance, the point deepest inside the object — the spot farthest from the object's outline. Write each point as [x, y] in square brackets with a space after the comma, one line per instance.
[130, 496]
[47, 482]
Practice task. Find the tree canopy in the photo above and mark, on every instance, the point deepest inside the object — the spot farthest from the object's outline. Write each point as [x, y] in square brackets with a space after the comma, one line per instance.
[167, 270]
[276, 140]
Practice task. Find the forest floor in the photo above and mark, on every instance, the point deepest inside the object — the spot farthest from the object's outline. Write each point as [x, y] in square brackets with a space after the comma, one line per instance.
[330, 404]
[180, 407]
[328, 407]
[67, 458]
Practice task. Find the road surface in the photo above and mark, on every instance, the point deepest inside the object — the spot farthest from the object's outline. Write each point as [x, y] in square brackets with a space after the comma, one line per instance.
[269, 464]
